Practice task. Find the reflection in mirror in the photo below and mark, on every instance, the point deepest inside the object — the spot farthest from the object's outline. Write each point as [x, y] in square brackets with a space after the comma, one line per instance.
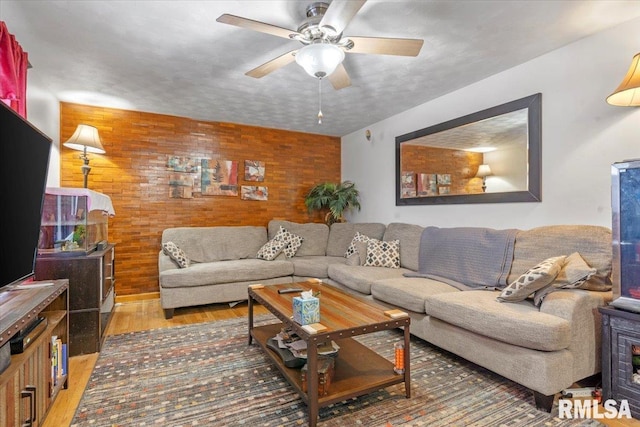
[486, 157]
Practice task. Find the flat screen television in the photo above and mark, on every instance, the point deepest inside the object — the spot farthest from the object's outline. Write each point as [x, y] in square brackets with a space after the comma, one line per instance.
[24, 157]
[625, 208]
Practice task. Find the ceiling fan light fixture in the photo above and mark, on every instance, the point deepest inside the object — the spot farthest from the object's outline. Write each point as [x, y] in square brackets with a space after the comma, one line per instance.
[319, 60]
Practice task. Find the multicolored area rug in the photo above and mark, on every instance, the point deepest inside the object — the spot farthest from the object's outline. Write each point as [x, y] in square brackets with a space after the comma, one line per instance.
[207, 375]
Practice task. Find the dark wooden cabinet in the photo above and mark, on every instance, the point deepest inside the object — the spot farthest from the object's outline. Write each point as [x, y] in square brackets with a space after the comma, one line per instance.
[29, 386]
[91, 294]
[620, 340]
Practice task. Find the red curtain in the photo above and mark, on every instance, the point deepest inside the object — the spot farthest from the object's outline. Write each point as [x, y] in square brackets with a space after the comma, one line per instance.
[13, 72]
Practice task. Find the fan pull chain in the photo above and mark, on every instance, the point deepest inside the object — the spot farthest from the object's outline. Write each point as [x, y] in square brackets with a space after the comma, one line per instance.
[320, 101]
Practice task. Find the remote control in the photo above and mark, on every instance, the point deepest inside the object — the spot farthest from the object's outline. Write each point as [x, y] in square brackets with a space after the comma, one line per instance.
[289, 290]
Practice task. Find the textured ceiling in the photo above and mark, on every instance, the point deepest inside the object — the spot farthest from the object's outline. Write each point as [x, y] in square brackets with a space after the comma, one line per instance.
[172, 57]
[492, 133]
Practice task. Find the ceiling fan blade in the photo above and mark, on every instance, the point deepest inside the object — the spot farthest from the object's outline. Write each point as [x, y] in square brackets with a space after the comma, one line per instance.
[250, 24]
[272, 65]
[386, 46]
[340, 13]
[340, 78]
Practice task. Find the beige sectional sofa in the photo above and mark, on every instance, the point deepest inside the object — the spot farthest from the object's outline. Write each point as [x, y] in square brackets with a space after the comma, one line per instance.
[545, 348]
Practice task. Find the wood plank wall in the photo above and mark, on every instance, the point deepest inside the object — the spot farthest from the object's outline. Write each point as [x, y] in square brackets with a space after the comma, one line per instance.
[133, 173]
[461, 165]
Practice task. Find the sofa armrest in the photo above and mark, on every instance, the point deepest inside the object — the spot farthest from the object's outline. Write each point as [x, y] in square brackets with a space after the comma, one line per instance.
[165, 263]
[580, 308]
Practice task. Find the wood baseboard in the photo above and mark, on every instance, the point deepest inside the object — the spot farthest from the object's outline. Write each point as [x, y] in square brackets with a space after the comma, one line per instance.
[137, 297]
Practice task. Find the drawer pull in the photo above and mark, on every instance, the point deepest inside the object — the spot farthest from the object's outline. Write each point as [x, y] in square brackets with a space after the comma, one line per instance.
[30, 392]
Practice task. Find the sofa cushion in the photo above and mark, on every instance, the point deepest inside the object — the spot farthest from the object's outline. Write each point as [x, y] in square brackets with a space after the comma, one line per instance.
[532, 280]
[315, 266]
[205, 244]
[360, 278]
[382, 253]
[408, 293]
[409, 236]
[575, 272]
[314, 235]
[341, 234]
[212, 273]
[518, 323]
[176, 254]
[591, 241]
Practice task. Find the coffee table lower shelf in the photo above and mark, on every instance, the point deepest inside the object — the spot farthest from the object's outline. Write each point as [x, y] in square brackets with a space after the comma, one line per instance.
[358, 369]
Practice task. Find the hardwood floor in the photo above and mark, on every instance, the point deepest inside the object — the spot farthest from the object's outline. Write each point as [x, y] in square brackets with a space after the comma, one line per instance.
[147, 314]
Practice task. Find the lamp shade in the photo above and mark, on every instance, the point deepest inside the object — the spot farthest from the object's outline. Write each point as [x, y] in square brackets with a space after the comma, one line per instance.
[87, 137]
[628, 93]
[320, 59]
[483, 171]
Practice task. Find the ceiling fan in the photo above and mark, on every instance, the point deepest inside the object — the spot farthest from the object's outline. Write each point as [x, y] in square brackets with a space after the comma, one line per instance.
[324, 44]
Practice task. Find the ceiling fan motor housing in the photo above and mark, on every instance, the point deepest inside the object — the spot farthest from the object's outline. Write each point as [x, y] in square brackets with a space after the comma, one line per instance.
[310, 28]
[317, 9]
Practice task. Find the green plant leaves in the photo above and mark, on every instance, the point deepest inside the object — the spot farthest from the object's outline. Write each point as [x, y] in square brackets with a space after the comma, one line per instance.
[338, 198]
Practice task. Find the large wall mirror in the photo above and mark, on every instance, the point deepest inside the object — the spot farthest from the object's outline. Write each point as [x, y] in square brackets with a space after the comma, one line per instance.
[491, 156]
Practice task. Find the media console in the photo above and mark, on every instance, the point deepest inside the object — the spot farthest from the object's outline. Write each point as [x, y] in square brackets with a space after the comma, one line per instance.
[31, 382]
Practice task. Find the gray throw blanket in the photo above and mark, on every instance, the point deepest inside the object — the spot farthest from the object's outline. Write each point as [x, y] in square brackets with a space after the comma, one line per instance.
[466, 257]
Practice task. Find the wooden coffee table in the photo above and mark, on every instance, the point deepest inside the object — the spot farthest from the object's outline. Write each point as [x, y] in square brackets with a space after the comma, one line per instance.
[358, 369]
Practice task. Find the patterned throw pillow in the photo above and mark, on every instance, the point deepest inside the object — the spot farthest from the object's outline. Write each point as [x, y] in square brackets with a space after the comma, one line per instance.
[176, 254]
[532, 280]
[573, 275]
[352, 249]
[359, 256]
[575, 272]
[381, 253]
[270, 250]
[292, 241]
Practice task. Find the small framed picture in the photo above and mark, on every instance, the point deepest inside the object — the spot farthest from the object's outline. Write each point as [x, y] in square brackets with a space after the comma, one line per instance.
[444, 189]
[254, 170]
[427, 185]
[444, 178]
[408, 184]
[251, 192]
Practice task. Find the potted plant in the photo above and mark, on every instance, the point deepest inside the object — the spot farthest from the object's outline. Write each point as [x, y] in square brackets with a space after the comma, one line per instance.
[337, 197]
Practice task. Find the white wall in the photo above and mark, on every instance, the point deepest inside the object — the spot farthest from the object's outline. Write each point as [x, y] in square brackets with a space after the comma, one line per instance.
[581, 136]
[43, 111]
[509, 168]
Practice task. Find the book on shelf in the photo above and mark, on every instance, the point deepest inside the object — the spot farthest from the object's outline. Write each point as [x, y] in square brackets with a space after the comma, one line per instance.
[58, 361]
[59, 370]
[65, 359]
[54, 362]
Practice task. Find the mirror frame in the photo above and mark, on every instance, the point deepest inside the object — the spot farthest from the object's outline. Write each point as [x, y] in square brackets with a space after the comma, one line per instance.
[533, 104]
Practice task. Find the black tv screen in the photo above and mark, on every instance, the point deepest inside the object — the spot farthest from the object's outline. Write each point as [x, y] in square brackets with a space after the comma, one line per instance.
[24, 162]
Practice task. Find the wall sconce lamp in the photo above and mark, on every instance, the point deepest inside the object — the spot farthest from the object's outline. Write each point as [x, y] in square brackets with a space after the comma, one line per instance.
[628, 93]
[87, 140]
[483, 172]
